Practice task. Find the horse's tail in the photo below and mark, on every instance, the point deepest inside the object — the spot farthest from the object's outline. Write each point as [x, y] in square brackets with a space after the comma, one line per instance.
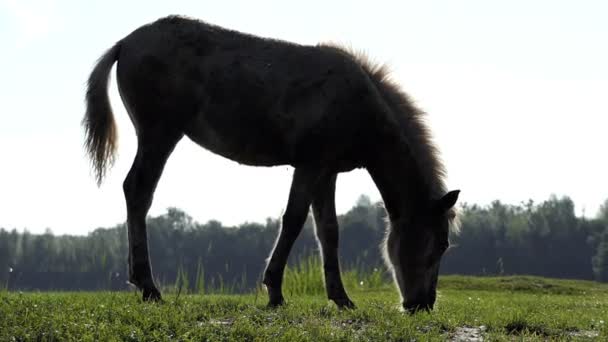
[100, 128]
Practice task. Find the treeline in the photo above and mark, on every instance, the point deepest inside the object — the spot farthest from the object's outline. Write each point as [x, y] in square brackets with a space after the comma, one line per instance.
[545, 239]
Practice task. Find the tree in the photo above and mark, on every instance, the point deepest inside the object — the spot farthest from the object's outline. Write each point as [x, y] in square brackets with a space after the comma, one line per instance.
[603, 212]
[600, 259]
[530, 238]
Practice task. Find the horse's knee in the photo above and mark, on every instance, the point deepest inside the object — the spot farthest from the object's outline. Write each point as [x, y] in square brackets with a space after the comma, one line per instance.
[127, 186]
[328, 235]
[137, 198]
[292, 221]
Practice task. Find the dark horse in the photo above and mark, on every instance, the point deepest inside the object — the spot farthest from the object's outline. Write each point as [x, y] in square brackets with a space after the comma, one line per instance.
[264, 102]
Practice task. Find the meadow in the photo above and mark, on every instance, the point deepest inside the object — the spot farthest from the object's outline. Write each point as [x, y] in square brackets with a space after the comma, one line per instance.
[467, 309]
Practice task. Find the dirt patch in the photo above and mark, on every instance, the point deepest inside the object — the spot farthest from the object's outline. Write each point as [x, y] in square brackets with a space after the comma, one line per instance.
[468, 334]
[584, 333]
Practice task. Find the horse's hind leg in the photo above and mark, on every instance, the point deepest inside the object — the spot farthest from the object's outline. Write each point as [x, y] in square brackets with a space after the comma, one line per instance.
[300, 196]
[326, 228]
[152, 153]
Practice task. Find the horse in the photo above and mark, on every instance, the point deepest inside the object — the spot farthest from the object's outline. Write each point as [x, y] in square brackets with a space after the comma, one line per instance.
[321, 109]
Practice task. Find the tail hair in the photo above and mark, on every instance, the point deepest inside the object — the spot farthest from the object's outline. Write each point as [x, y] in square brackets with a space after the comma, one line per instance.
[101, 137]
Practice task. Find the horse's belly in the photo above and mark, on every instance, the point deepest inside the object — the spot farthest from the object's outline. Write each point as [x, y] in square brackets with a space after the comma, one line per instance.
[244, 144]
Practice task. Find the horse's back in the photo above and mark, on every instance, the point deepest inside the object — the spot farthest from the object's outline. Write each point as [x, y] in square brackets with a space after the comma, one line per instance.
[254, 100]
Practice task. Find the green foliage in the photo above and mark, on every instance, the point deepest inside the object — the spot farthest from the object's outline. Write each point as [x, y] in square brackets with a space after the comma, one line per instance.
[545, 239]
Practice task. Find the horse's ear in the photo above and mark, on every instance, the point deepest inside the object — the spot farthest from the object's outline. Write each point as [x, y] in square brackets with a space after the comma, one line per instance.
[448, 200]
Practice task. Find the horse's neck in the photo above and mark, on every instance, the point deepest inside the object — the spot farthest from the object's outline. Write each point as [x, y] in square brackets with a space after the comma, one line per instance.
[404, 188]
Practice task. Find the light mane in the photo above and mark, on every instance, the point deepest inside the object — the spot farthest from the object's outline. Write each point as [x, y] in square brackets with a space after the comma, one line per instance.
[416, 132]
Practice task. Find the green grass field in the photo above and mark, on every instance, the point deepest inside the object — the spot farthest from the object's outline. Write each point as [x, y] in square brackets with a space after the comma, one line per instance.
[467, 309]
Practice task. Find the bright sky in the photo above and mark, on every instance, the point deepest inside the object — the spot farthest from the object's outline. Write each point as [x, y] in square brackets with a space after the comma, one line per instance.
[516, 94]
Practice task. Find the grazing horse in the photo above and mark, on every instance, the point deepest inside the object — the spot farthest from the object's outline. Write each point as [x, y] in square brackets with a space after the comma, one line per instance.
[264, 102]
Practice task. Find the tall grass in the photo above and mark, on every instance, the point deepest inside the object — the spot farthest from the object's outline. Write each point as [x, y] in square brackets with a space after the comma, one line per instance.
[305, 277]
[200, 277]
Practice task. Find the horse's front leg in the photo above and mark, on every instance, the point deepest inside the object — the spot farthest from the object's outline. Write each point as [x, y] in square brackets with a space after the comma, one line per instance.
[326, 228]
[300, 196]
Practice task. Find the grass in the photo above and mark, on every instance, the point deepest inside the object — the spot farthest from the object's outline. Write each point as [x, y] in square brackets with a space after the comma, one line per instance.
[501, 308]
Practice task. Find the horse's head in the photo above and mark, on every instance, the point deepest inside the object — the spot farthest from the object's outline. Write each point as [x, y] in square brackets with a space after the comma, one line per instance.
[415, 251]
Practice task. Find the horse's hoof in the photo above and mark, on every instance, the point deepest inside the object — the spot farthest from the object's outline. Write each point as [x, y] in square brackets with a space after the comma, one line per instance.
[274, 305]
[344, 304]
[275, 302]
[275, 297]
[151, 295]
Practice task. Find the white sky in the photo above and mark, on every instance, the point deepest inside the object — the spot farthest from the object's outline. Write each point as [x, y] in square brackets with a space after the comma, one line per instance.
[516, 95]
